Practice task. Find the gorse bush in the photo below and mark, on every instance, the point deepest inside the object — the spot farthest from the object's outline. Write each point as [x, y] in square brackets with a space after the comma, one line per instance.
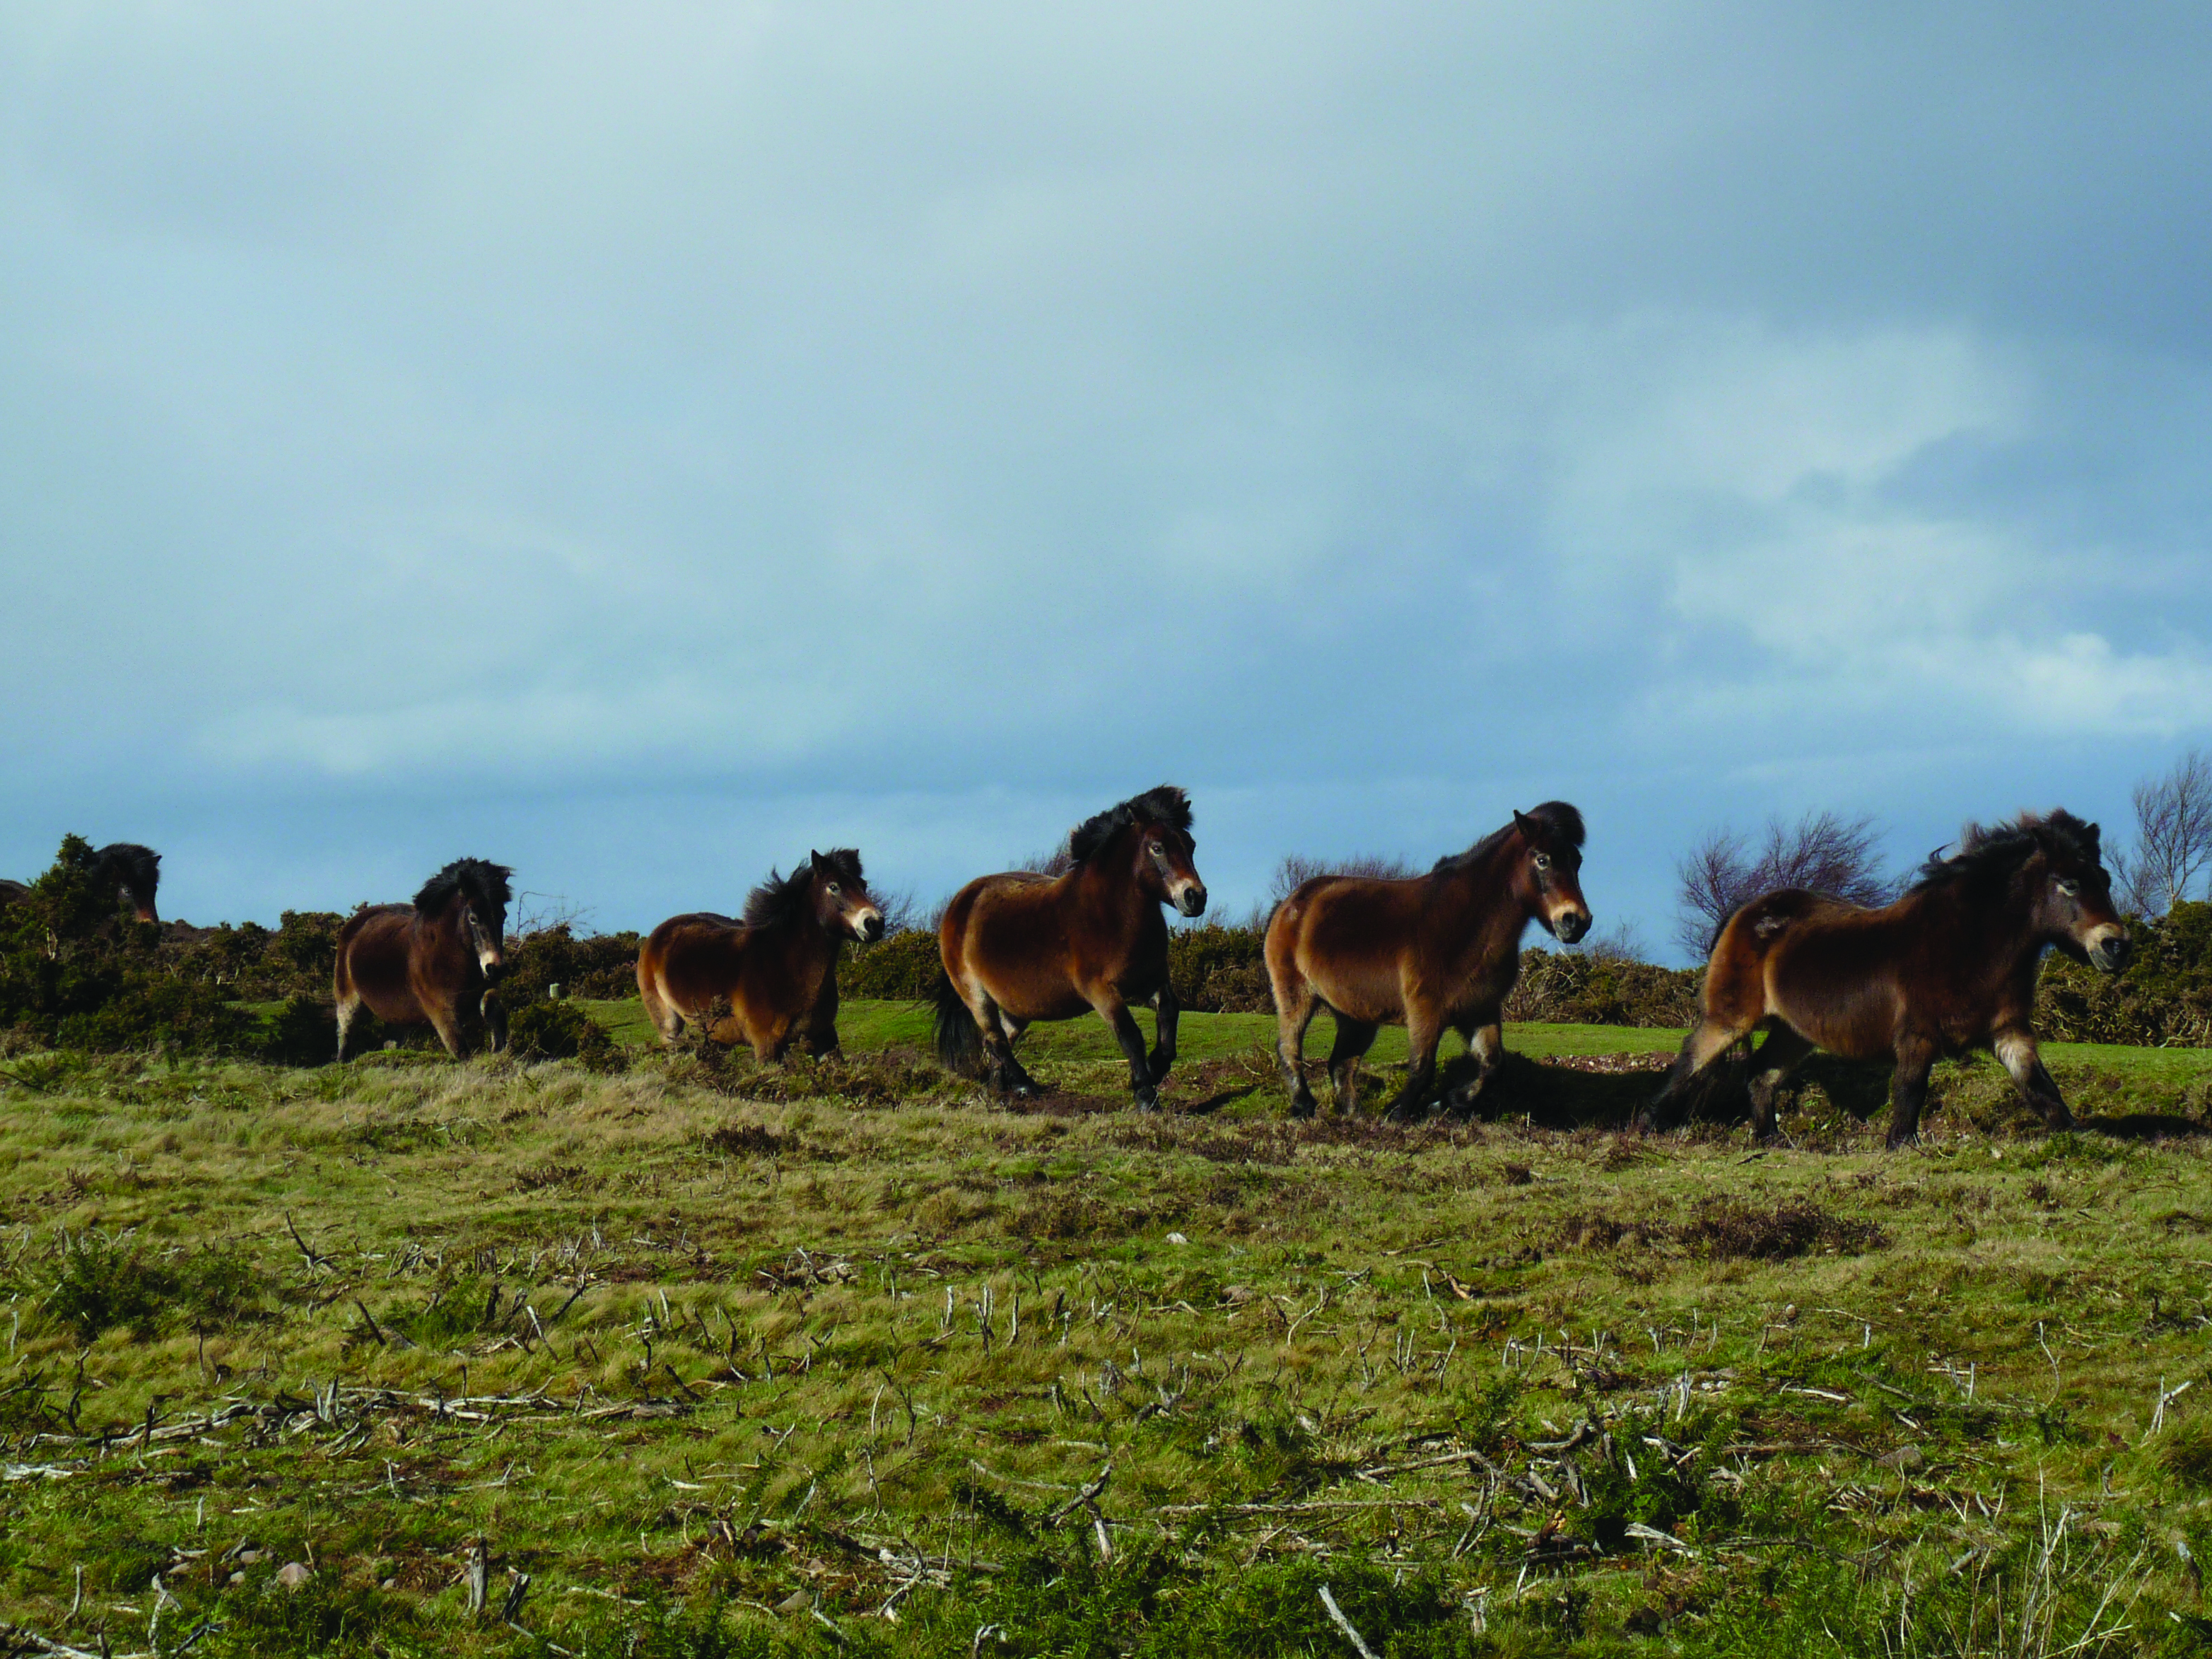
[561, 1031]
[901, 967]
[1582, 989]
[2164, 996]
[101, 1282]
[595, 965]
[76, 970]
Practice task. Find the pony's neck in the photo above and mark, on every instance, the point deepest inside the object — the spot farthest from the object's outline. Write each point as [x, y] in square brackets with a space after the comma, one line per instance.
[1478, 903]
[1108, 879]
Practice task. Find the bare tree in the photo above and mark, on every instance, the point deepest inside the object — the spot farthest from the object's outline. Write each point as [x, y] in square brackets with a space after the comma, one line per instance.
[1822, 852]
[1296, 870]
[2173, 836]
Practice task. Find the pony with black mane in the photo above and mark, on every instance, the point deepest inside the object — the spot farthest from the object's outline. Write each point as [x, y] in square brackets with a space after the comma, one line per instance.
[1432, 953]
[122, 869]
[775, 968]
[438, 960]
[1026, 945]
[1950, 966]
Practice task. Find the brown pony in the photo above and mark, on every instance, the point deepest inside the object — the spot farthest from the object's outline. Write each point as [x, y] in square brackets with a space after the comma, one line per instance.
[431, 960]
[1950, 966]
[776, 968]
[1435, 951]
[1025, 946]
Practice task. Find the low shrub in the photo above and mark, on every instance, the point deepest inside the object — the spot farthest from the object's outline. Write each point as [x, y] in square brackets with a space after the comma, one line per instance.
[2163, 997]
[561, 1031]
[1568, 989]
[902, 967]
[601, 966]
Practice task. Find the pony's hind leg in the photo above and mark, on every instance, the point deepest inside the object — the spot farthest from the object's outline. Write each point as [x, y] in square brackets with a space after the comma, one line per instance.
[1295, 1006]
[2016, 1052]
[349, 1010]
[1354, 1038]
[1777, 1057]
[1706, 1044]
[1003, 1071]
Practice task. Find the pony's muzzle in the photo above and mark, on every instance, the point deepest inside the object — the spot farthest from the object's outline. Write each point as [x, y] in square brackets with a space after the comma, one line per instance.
[2111, 950]
[870, 927]
[1191, 899]
[1570, 925]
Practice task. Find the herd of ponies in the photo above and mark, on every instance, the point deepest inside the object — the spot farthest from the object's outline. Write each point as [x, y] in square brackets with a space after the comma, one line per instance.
[1949, 966]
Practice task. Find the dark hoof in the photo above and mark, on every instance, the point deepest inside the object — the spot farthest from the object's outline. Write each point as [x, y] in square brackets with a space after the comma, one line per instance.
[1302, 1108]
[2064, 1121]
[1147, 1102]
[1405, 1114]
[1899, 1143]
[1646, 1123]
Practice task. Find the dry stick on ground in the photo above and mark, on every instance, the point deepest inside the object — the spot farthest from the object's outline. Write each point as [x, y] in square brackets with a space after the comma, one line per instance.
[1336, 1616]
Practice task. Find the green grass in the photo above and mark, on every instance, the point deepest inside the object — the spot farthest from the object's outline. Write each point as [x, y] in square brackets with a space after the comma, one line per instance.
[826, 1358]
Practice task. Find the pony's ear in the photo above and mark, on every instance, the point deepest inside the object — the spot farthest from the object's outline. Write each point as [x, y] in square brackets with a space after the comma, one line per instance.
[1520, 822]
[2090, 834]
[820, 863]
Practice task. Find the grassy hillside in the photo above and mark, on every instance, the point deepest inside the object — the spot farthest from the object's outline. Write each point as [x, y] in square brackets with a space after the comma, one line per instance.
[699, 1359]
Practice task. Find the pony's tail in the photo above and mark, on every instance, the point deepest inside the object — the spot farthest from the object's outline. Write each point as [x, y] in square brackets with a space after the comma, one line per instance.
[959, 1039]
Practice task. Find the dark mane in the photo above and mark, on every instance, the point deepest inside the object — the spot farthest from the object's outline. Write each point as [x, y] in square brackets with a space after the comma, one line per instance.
[1165, 805]
[783, 898]
[482, 882]
[1561, 819]
[1990, 855]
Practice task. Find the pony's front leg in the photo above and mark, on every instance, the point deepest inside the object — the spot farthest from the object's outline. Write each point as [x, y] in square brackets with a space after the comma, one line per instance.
[1115, 1012]
[495, 1018]
[1487, 1042]
[2016, 1052]
[1422, 1033]
[1908, 1087]
[1166, 1011]
[822, 1023]
[446, 1024]
[1778, 1056]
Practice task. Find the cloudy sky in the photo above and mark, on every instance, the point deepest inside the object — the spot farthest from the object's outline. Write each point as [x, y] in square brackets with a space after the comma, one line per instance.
[639, 443]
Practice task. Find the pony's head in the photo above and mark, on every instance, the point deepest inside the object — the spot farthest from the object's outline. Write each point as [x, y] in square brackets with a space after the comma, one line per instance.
[477, 890]
[137, 870]
[843, 902]
[2054, 867]
[1166, 856]
[828, 889]
[1548, 872]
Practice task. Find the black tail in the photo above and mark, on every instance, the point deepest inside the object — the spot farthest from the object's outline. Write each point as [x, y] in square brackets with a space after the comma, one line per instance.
[959, 1039]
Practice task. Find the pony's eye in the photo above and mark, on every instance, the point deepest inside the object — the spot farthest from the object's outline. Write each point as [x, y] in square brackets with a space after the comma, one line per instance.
[1157, 847]
[833, 889]
[1543, 860]
[2069, 888]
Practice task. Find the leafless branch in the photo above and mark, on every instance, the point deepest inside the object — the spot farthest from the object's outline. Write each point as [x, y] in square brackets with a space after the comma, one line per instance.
[1822, 852]
[2173, 836]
